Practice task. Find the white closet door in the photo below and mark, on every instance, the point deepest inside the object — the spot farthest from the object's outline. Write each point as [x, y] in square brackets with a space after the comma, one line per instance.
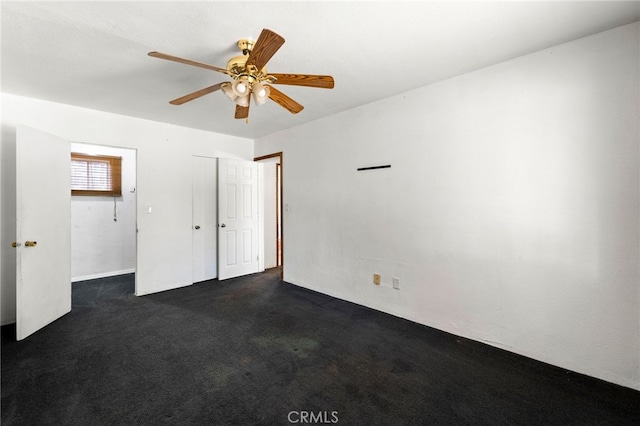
[205, 218]
[238, 225]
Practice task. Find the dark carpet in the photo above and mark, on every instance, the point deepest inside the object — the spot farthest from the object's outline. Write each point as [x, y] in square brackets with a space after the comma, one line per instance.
[259, 351]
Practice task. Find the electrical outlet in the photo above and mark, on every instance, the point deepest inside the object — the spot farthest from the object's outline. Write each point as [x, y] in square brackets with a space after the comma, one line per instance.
[396, 283]
[376, 279]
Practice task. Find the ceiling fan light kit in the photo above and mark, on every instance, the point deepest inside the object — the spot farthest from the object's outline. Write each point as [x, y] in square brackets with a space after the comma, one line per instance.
[240, 87]
[260, 93]
[227, 90]
[251, 78]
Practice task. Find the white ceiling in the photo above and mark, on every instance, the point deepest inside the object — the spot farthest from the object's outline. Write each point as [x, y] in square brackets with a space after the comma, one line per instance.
[94, 54]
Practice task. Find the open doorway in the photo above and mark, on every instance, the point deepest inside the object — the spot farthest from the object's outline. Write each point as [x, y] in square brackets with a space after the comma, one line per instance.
[273, 223]
[103, 229]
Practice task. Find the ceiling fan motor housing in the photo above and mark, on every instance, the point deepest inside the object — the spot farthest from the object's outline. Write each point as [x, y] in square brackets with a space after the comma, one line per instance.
[237, 64]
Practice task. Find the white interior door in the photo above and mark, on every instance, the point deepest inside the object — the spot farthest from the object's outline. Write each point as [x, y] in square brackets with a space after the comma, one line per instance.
[205, 218]
[43, 230]
[238, 226]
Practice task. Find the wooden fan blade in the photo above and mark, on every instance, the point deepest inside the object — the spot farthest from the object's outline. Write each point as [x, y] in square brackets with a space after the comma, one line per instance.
[266, 46]
[242, 112]
[196, 95]
[187, 61]
[321, 81]
[284, 101]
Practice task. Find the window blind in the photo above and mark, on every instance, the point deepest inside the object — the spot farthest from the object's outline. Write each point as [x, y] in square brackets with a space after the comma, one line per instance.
[95, 175]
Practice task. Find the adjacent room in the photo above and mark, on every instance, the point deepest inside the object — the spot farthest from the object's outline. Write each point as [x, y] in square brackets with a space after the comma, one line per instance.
[358, 212]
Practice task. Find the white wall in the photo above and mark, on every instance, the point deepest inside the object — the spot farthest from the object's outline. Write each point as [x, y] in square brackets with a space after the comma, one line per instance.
[510, 213]
[164, 156]
[100, 246]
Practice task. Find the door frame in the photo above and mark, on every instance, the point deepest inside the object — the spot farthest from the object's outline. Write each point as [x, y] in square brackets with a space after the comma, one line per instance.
[95, 148]
[281, 189]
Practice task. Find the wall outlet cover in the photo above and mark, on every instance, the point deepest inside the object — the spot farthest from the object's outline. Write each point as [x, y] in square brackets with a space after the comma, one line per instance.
[396, 283]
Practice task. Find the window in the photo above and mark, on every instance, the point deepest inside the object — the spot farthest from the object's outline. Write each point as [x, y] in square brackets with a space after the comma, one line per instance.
[96, 175]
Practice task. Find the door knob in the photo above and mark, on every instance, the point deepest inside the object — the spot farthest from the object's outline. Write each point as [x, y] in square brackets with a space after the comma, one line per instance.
[197, 226]
[30, 243]
[15, 244]
[223, 226]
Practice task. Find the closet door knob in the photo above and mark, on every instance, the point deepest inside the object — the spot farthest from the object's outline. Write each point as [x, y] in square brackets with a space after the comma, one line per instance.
[197, 226]
[223, 226]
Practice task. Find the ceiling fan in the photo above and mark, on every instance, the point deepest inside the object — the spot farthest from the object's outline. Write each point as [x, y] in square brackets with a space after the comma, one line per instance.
[250, 76]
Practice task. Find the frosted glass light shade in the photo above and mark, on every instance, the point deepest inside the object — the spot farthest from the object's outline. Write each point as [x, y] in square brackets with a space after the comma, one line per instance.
[228, 91]
[240, 87]
[260, 93]
[243, 101]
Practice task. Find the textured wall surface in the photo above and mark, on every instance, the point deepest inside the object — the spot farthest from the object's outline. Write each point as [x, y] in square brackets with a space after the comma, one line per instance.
[510, 213]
